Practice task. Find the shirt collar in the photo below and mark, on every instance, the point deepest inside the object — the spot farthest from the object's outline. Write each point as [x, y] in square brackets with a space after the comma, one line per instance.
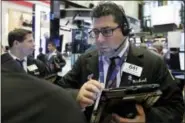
[54, 51]
[15, 57]
[124, 49]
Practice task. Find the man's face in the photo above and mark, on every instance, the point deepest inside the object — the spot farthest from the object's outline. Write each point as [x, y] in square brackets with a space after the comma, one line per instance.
[27, 46]
[50, 47]
[106, 44]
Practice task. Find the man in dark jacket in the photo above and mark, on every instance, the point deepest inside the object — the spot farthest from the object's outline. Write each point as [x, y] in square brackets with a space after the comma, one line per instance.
[27, 99]
[22, 45]
[93, 71]
[54, 58]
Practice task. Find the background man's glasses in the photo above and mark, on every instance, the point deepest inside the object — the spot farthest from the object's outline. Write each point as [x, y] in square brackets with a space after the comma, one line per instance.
[105, 32]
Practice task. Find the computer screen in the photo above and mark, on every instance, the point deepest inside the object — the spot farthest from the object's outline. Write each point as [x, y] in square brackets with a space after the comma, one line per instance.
[57, 42]
[181, 59]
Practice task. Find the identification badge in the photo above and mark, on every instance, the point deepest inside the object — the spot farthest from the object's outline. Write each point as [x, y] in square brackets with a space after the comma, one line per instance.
[32, 67]
[132, 69]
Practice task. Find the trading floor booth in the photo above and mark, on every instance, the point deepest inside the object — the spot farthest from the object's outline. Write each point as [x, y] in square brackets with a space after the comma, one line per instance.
[177, 53]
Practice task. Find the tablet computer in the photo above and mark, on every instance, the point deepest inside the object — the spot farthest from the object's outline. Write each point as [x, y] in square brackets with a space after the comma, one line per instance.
[123, 100]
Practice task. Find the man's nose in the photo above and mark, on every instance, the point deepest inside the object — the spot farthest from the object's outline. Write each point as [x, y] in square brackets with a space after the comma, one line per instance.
[100, 38]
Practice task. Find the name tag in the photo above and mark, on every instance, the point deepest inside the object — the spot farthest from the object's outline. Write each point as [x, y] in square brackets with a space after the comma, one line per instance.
[32, 67]
[132, 69]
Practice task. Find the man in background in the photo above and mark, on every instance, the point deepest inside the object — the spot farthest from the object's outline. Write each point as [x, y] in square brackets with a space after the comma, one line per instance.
[54, 58]
[21, 47]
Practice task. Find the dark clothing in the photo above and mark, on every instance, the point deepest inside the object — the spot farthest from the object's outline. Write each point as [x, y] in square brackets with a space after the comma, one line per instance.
[42, 69]
[27, 99]
[55, 60]
[42, 57]
[169, 108]
[8, 62]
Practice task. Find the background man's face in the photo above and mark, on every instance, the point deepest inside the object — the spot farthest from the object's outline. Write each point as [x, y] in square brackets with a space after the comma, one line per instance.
[27, 46]
[50, 47]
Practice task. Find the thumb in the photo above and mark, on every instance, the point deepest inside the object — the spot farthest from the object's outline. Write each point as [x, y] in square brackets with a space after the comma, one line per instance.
[139, 109]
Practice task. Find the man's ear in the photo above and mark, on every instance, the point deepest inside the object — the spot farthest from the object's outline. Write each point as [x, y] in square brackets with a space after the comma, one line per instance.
[16, 43]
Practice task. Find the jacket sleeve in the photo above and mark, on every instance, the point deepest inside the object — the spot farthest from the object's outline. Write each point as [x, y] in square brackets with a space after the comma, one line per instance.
[72, 78]
[170, 107]
[43, 68]
[61, 60]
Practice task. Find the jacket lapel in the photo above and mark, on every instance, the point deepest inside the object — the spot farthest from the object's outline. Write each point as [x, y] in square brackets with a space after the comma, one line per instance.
[9, 63]
[134, 57]
[92, 65]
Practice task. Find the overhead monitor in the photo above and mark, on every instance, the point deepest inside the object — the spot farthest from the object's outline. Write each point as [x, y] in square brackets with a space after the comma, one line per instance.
[181, 59]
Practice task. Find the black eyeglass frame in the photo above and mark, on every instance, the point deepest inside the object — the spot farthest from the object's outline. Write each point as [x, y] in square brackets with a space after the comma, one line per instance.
[102, 32]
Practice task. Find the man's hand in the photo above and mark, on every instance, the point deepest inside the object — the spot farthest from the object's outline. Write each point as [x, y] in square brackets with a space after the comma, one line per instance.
[88, 93]
[140, 118]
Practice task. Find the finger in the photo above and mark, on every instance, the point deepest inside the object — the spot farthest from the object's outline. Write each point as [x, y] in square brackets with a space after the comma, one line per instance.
[119, 119]
[90, 95]
[96, 83]
[139, 109]
[86, 101]
[92, 88]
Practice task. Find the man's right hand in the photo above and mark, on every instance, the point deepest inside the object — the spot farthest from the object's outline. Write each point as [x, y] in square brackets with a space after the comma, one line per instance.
[88, 93]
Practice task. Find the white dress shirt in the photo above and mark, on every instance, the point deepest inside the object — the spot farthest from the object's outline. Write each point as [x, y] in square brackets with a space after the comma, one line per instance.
[52, 54]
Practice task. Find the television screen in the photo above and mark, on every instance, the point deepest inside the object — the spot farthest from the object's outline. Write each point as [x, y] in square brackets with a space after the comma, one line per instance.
[181, 59]
[57, 42]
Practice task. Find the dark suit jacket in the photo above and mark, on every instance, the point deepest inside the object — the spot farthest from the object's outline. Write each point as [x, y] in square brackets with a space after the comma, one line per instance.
[8, 62]
[42, 57]
[169, 108]
[27, 99]
[43, 69]
[58, 58]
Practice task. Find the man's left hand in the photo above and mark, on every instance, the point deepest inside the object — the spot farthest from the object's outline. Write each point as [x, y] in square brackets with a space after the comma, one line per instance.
[140, 118]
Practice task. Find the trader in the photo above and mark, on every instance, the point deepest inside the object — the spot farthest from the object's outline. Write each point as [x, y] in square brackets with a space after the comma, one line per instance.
[111, 31]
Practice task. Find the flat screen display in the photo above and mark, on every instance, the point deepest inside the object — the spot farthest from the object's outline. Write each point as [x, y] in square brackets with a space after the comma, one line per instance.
[181, 59]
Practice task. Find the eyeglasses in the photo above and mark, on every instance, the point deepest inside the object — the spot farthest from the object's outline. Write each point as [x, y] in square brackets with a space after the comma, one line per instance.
[105, 32]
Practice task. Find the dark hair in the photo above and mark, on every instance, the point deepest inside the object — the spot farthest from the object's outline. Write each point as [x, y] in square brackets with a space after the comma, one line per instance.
[108, 8]
[52, 43]
[18, 35]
